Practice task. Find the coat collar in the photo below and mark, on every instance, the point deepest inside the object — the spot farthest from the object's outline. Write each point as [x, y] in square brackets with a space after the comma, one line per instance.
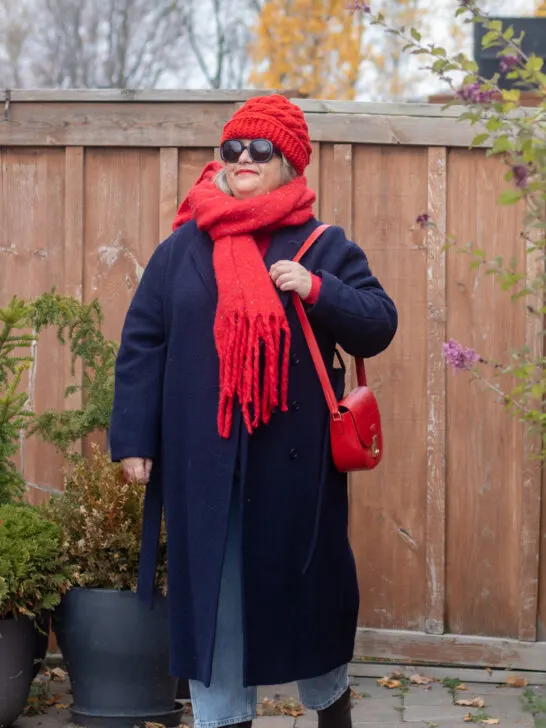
[284, 245]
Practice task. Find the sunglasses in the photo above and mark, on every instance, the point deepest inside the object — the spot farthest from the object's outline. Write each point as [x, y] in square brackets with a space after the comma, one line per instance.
[259, 150]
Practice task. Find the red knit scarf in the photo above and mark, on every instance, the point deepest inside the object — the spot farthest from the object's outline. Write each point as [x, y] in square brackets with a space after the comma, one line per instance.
[250, 317]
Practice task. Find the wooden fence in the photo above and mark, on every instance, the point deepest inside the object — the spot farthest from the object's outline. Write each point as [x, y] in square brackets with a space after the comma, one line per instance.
[447, 531]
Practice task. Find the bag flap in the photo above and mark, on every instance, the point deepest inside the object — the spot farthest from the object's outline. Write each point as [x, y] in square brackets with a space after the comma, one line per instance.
[362, 405]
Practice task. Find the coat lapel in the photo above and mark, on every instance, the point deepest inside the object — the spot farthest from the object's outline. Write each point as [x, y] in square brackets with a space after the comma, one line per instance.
[202, 256]
[284, 245]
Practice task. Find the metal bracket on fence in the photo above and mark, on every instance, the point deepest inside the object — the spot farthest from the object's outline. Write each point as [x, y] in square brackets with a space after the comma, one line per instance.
[7, 102]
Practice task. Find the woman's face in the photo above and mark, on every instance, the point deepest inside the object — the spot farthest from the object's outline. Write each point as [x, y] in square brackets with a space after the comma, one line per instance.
[250, 179]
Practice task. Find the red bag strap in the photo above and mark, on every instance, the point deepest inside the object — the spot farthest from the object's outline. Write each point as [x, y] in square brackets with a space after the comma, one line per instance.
[311, 339]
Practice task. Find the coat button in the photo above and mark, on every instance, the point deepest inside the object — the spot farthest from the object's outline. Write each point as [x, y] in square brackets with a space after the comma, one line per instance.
[295, 359]
[296, 406]
[293, 453]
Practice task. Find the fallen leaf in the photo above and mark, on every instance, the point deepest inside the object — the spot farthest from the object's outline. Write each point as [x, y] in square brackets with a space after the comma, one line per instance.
[151, 724]
[468, 718]
[421, 679]
[290, 707]
[517, 681]
[57, 673]
[461, 686]
[470, 702]
[356, 696]
[387, 682]
[62, 706]
[490, 721]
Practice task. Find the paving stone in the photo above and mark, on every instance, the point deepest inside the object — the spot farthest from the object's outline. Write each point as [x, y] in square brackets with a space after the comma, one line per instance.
[433, 695]
[488, 689]
[369, 686]
[433, 713]
[517, 722]
[275, 722]
[369, 711]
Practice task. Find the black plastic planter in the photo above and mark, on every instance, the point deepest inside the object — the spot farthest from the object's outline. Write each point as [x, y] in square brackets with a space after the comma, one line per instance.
[116, 652]
[41, 638]
[17, 654]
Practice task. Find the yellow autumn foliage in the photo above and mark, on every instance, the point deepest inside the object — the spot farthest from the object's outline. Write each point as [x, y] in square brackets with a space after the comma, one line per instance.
[311, 46]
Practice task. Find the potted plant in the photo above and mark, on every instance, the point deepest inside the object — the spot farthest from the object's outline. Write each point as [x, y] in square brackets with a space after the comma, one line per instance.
[116, 649]
[32, 579]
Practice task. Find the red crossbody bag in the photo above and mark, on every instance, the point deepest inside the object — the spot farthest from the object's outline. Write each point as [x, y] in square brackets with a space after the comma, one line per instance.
[355, 423]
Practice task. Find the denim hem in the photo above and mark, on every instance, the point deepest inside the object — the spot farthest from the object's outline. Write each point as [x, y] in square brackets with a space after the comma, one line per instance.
[336, 696]
[225, 721]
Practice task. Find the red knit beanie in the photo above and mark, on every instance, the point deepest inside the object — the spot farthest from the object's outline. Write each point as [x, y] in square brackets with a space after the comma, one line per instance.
[277, 119]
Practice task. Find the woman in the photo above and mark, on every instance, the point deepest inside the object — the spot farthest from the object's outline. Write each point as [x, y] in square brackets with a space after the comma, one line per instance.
[218, 404]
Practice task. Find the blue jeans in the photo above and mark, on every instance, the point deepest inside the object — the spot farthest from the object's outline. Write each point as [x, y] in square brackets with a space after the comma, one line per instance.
[227, 701]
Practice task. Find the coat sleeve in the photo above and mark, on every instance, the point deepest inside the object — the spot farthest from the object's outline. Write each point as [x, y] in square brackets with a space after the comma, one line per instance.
[352, 304]
[136, 415]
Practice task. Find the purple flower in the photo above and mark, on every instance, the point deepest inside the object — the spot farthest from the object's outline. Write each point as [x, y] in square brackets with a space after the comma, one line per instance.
[423, 220]
[521, 175]
[355, 5]
[473, 92]
[508, 62]
[458, 357]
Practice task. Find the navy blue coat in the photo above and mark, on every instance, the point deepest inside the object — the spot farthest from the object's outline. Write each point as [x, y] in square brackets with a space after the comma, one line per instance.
[299, 579]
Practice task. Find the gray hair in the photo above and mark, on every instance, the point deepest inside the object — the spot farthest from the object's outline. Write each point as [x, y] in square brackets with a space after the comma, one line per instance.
[287, 175]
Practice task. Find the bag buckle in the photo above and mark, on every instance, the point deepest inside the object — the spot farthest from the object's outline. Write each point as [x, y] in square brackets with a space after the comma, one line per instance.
[375, 447]
[336, 416]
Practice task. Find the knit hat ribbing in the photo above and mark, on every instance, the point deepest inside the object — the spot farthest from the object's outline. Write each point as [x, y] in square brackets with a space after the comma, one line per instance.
[277, 119]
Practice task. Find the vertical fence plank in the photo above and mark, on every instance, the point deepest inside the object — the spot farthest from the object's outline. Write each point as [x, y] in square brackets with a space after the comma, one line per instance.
[342, 213]
[168, 189]
[436, 394]
[388, 505]
[313, 175]
[531, 483]
[73, 252]
[343, 187]
[484, 443]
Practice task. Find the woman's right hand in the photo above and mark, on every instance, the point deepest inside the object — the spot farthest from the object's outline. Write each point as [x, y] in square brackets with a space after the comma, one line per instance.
[138, 469]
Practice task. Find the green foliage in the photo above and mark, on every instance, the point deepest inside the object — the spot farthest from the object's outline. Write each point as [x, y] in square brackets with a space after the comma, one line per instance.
[517, 136]
[101, 517]
[79, 326]
[32, 577]
[14, 360]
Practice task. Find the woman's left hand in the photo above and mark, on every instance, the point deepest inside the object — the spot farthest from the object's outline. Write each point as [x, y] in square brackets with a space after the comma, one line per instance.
[290, 276]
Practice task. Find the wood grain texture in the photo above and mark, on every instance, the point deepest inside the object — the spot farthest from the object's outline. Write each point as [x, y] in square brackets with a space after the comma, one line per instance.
[388, 505]
[168, 190]
[531, 487]
[484, 444]
[463, 650]
[121, 227]
[115, 124]
[436, 392]
[73, 256]
[178, 123]
[130, 95]
[342, 215]
[313, 175]
[32, 246]
[47, 96]
[190, 166]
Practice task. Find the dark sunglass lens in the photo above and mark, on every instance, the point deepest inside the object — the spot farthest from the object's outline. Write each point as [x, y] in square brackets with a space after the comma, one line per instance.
[231, 150]
[261, 150]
